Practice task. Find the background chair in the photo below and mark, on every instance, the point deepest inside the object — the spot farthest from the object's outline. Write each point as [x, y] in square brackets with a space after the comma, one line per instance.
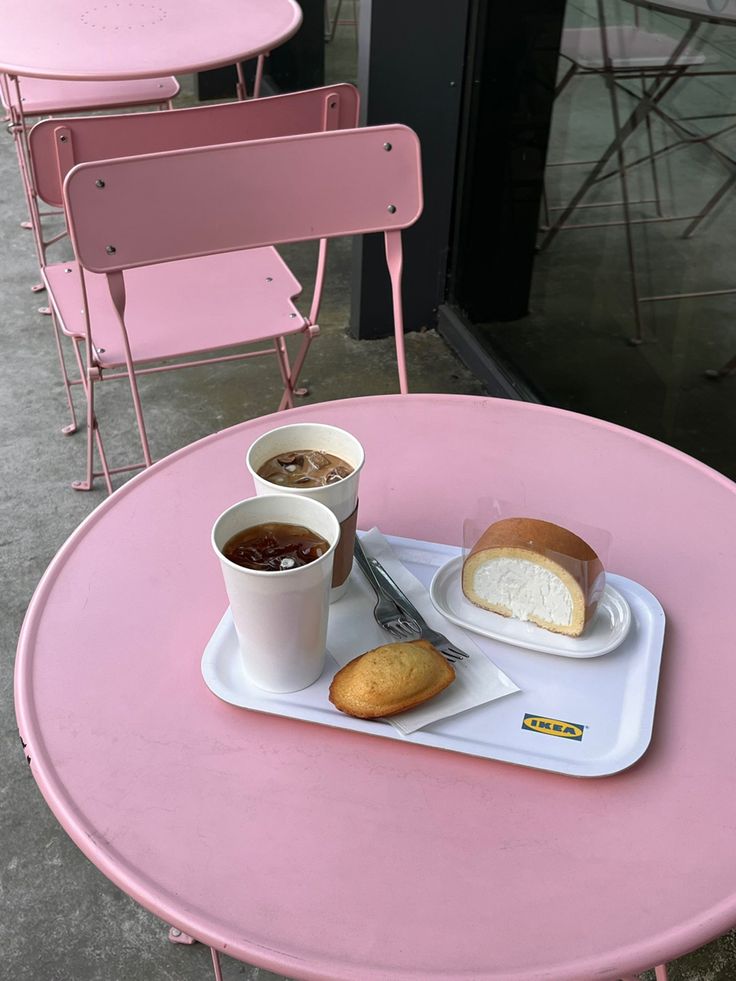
[621, 55]
[57, 145]
[170, 228]
[25, 99]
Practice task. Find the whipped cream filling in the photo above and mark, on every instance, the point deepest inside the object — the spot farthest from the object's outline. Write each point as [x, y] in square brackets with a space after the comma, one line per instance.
[526, 589]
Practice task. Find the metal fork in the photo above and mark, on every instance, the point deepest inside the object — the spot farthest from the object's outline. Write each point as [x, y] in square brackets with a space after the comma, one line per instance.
[387, 612]
[396, 613]
[392, 618]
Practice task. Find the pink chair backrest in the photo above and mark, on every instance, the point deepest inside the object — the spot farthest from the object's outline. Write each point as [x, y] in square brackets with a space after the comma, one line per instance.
[56, 145]
[154, 208]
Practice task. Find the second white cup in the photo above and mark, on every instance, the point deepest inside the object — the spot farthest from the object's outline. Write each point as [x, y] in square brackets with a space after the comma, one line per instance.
[341, 497]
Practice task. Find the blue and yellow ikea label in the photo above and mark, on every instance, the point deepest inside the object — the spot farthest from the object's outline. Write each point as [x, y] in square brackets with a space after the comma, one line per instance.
[553, 727]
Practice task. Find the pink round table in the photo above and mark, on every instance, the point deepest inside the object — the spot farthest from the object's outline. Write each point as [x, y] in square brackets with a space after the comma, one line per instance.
[329, 854]
[104, 40]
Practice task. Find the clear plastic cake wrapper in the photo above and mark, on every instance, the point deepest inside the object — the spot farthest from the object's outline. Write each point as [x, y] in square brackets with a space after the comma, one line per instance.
[497, 523]
[477, 679]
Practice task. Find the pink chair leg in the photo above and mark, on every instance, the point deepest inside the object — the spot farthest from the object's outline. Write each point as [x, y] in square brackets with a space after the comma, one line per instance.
[72, 426]
[116, 285]
[94, 439]
[290, 377]
[93, 433]
[282, 356]
[139, 416]
[394, 260]
[86, 483]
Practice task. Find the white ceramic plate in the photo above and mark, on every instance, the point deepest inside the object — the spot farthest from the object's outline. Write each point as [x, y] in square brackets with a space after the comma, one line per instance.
[605, 632]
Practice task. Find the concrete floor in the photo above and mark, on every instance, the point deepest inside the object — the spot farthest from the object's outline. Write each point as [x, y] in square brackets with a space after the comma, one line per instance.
[60, 919]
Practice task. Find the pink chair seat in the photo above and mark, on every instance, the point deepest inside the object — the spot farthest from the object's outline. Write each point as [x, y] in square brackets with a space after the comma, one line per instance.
[201, 304]
[48, 96]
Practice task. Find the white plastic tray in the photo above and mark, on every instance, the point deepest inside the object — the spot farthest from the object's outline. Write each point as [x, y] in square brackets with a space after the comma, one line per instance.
[585, 717]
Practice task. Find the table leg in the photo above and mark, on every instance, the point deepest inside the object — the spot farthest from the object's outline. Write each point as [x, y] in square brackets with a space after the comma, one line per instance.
[216, 964]
[177, 936]
[660, 972]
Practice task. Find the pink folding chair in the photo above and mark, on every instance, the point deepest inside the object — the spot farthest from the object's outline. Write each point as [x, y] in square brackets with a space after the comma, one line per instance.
[25, 99]
[176, 249]
[57, 145]
[200, 210]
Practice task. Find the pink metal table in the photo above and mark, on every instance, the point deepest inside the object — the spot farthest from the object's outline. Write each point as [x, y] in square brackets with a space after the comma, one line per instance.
[330, 854]
[93, 40]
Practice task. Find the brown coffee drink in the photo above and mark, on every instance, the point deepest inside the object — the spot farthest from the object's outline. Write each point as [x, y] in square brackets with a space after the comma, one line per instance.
[304, 468]
[274, 547]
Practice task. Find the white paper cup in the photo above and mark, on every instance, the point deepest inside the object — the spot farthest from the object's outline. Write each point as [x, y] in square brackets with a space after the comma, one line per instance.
[341, 497]
[280, 617]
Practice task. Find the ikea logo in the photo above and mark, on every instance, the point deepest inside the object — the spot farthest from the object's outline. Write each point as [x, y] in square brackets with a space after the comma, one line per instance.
[553, 727]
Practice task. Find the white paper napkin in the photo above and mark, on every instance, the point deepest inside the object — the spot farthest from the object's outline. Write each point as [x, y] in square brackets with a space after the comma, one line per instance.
[477, 680]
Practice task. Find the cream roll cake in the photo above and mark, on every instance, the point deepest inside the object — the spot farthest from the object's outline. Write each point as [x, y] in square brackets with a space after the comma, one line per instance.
[537, 571]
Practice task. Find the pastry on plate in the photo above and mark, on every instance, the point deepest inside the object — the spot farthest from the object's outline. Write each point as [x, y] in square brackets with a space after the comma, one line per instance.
[535, 570]
[390, 679]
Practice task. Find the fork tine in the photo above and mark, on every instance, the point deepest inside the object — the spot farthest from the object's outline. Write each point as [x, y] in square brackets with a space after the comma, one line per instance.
[399, 629]
[405, 629]
[411, 626]
[451, 653]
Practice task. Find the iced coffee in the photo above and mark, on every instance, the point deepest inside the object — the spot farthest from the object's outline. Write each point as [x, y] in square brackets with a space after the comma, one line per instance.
[275, 547]
[316, 461]
[304, 468]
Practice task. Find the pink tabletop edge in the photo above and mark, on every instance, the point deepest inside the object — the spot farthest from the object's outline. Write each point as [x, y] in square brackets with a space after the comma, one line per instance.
[219, 34]
[715, 920]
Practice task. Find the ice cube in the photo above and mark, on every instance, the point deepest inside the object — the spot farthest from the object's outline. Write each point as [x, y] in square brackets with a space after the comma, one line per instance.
[335, 474]
[293, 460]
[316, 460]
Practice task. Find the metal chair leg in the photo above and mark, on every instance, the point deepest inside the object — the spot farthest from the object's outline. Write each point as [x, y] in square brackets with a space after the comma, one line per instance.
[93, 433]
[72, 426]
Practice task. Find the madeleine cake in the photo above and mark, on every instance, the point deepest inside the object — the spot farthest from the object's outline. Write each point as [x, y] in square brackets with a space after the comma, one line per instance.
[390, 679]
